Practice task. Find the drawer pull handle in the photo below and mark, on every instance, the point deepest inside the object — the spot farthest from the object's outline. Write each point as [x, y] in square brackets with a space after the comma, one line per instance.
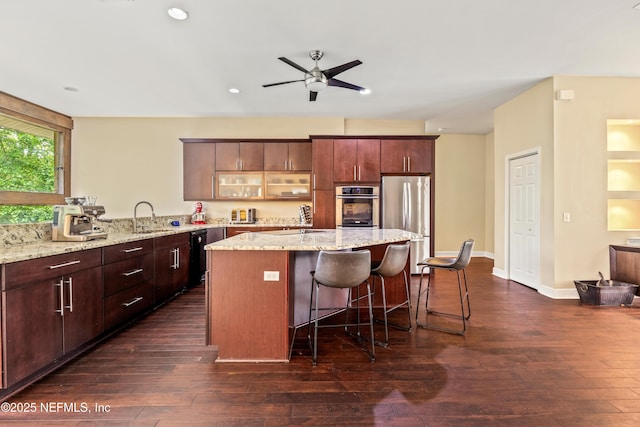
[64, 264]
[132, 272]
[133, 301]
[126, 251]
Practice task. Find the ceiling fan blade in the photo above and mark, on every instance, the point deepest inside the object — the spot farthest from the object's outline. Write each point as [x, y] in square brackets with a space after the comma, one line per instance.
[340, 83]
[282, 83]
[313, 95]
[331, 72]
[293, 64]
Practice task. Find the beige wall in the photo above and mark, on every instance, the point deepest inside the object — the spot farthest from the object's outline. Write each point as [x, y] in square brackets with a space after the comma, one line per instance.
[125, 160]
[572, 136]
[460, 192]
[581, 147]
[489, 204]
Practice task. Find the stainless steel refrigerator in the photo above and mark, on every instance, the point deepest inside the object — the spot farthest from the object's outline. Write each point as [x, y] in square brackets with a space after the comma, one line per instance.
[406, 204]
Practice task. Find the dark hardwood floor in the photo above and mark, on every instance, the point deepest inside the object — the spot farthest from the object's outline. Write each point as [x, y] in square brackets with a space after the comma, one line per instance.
[526, 360]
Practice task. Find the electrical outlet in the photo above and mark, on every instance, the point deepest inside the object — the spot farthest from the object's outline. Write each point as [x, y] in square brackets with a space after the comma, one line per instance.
[566, 217]
[271, 276]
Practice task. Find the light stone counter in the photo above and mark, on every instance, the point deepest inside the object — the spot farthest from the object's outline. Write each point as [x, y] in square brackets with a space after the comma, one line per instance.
[40, 245]
[47, 247]
[310, 240]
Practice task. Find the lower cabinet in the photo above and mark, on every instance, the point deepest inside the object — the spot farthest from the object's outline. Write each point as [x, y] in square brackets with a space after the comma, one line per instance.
[128, 281]
[171, 265]
[54, 313]
[324, 210]
[127, 304]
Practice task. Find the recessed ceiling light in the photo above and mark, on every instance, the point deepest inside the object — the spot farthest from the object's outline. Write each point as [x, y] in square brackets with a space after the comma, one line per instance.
[365, 91]
[177, 13]
[637, 6]
[234, 90]
[71, 89]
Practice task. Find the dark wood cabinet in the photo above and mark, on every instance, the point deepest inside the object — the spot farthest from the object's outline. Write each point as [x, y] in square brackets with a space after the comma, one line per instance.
[85, 318]
[400, 156]
[239, 156]
[287, 156]
[33, 337]
[51, 306]
[324, 211]
[171, 265]
[322, 156]
[128, 281]
[199, 170]
[356, 160]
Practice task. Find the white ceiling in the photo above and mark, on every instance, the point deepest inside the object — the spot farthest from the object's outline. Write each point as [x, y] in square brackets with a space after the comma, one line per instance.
[447, 62]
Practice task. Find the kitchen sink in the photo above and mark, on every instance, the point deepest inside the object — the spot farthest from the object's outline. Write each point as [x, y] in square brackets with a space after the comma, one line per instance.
[293, 231]
[153, 230]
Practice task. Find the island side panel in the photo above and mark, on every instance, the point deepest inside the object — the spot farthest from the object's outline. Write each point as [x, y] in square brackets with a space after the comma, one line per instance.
[248, 316]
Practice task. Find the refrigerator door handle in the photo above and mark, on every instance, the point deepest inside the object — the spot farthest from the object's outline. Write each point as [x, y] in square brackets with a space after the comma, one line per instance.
[406, 205]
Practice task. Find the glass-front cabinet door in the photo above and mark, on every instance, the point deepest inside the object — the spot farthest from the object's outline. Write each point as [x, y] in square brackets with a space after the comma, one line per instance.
[287, 185]
[239, 185]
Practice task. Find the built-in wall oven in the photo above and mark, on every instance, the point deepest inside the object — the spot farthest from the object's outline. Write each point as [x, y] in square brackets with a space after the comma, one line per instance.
[357, 206]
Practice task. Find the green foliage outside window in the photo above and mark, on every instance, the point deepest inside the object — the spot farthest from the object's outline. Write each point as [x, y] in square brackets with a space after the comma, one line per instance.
[27, 163]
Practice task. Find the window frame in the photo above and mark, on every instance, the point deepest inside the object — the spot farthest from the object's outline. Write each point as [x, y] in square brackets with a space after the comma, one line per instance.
[61, 124]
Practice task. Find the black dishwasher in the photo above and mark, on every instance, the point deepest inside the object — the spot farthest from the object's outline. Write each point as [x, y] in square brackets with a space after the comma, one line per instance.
[198, 257]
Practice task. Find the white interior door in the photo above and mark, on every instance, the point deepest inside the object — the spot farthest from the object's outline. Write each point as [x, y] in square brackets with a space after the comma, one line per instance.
[524, 220]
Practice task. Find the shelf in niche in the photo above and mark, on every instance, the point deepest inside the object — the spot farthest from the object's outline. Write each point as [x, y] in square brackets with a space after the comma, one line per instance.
[624, 155]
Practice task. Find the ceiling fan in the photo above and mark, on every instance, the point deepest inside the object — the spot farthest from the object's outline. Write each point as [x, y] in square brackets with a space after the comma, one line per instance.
[316, 79]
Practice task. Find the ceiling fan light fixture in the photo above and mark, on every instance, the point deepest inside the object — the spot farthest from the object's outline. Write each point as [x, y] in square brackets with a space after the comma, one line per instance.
[178, 14]
[315, 80]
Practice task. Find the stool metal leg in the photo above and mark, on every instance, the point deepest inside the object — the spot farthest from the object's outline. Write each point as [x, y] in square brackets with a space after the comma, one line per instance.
[463, 296]
[315, 292]
[387, 310]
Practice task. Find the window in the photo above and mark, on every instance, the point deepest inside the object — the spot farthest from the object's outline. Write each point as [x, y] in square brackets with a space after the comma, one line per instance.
[35, 148]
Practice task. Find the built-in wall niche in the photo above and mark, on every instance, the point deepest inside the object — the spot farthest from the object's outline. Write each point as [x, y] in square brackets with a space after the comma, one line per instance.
[623, 174]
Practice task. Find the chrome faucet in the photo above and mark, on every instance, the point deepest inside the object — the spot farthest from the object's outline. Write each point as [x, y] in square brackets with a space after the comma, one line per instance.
[135, 214]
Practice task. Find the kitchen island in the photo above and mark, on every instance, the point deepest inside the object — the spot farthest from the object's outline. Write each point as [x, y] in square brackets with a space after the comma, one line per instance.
[258, 286]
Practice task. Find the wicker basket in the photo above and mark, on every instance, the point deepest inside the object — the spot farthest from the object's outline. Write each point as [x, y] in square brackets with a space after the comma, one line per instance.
[619, 293]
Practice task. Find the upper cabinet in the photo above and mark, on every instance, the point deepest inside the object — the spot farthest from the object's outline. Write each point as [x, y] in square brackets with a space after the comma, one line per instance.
[407, 156]
[199, 166]
[356, 160]
[239, 156]
[322, 158]
[287, 156]
[223, 169]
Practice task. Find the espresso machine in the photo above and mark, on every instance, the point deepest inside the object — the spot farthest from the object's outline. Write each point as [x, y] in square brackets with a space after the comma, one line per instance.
[76, 223]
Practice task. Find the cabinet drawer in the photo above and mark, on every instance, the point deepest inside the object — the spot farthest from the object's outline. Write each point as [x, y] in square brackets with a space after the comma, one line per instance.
[172, 241]
[19, 273]
[127, 273]
[127, 304]
[127, 250]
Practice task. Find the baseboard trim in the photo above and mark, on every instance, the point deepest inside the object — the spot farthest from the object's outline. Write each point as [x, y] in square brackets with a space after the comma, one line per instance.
[474, 254]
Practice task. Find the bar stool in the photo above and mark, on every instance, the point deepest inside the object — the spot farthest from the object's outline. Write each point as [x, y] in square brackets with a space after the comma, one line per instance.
[393, 263]
[343, 270]
[456, 264]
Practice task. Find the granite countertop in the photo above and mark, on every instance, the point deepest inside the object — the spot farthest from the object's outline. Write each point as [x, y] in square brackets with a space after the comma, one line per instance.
[310, 240]
[46, 247]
